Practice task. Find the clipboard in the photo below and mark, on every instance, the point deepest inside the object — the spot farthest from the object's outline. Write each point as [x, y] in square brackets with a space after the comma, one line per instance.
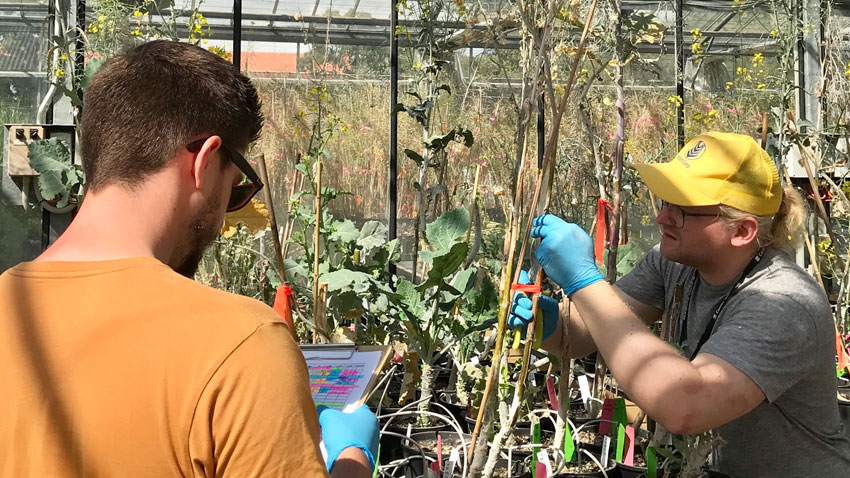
[343, 375]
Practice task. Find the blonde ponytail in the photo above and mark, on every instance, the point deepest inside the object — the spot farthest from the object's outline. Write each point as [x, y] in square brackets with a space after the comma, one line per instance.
[780, 230]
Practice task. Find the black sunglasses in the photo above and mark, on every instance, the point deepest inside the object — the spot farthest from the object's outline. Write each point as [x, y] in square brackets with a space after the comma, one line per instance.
[240, 195]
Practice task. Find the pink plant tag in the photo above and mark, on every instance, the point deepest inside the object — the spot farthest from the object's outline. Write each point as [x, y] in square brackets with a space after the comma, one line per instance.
[553, 397]
[440, 452]
[540, 470]
[630, 451]
[607, 414]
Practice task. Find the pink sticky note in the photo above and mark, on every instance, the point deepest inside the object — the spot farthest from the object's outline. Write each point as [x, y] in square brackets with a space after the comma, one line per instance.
[607, 414]
[630, 451]
[541, 470]
[553, 397]
[440, 452]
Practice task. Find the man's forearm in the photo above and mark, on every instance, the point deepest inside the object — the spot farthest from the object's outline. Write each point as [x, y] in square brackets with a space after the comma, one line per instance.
[351, 463]
[579, 340]
[656, 377]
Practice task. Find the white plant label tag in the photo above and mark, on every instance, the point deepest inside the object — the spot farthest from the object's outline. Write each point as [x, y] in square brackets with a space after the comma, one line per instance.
[584, 388]
[532, 380]
[543, 458]
[606, 448]
[449, 469]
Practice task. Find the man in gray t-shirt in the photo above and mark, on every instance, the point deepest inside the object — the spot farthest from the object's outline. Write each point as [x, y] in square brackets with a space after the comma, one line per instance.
[777, 329]
[755, 330]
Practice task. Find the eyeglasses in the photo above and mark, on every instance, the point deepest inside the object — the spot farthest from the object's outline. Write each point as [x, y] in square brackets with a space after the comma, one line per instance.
[240, 195]
[677, 215]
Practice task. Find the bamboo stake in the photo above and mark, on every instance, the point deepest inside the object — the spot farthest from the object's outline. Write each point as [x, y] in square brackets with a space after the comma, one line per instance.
[511, 235]
[321, 334]
[278, 250]
[286, 225]
[764, 131]
[316, 245]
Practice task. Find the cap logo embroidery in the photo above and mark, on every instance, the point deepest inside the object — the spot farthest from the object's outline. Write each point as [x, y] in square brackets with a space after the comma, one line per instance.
[696, 151]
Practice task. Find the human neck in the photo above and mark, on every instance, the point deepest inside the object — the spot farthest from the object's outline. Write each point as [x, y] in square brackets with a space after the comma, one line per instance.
[116, 223]
[720, 272]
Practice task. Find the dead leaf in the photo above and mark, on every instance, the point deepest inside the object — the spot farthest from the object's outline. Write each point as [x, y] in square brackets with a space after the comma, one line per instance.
[254, 216]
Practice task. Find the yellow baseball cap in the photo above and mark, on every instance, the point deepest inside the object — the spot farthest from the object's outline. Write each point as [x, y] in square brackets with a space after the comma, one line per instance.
[718, 168]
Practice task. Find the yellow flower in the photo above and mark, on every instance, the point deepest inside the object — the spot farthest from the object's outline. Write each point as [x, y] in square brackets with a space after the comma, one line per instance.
[93, 28]
[696, 48]
[758, 59]
[64, 57]
[728, 85]
[761, 86]
[137, 14]
[101, 18]
[774, 32]
[60, 73]
[696, 34]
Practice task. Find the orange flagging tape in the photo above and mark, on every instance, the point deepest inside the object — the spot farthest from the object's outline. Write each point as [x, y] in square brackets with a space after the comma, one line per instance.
[601, 229]
[283, 306]
[527, 288]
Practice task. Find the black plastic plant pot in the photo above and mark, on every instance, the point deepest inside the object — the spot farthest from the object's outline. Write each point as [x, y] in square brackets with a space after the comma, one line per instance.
[611, 471]
[458, 411]
[705, 474]
[415, 466]
[627, 471]
[523, 453]
[391, 443]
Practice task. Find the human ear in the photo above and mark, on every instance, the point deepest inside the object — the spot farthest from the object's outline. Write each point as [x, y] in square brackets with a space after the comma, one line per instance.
[204, 157]
[746, 232]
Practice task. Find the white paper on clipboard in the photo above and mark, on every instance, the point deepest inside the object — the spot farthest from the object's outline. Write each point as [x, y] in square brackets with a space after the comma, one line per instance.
[340, 376]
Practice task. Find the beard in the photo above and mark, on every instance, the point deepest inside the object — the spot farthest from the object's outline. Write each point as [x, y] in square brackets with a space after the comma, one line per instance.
[203, 229]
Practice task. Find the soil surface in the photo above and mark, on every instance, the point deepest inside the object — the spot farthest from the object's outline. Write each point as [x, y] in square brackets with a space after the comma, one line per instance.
[587, 466]
[590, 437]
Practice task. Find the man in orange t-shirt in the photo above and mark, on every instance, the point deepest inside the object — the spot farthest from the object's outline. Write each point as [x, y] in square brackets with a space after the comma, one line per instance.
[116, 363]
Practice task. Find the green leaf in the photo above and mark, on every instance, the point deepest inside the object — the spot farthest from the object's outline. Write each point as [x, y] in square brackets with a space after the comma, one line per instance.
[409, 298]
[347, 304]
[57, 174]
[448, 229]
[344, 231]
[295, 269]
[344, 279]
[92, 67]
[372, 235]
[464, 280]
[393, 249]
[444, 266]
[414, 156]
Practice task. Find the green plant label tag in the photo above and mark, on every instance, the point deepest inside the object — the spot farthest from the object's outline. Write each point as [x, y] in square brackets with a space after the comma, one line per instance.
[621, 440]
[651, 463]
[535, 439]
[569, 444]
[620, 411]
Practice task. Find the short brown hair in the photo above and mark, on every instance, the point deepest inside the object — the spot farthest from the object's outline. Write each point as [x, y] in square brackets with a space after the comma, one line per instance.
[143, 106]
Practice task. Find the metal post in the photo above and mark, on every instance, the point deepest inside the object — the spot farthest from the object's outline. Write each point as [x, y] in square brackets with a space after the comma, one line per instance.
[808, 65]
[79, 43]
[392, 192]
[541, 130]
[680, 78]
[237, 34]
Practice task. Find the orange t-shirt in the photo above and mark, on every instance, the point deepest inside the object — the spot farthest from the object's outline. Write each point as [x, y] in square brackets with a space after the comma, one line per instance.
[124, 368]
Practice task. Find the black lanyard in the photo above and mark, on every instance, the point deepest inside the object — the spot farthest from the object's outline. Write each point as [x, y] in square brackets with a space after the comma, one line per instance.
[717, 310]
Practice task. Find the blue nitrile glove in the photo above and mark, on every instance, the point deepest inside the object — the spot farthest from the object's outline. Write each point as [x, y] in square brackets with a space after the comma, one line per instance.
[342, 430]
[521, 310]
[565, 253]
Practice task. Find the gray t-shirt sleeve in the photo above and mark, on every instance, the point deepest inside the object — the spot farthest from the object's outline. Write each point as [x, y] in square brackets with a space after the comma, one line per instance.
[769, 337]
[645, 283]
